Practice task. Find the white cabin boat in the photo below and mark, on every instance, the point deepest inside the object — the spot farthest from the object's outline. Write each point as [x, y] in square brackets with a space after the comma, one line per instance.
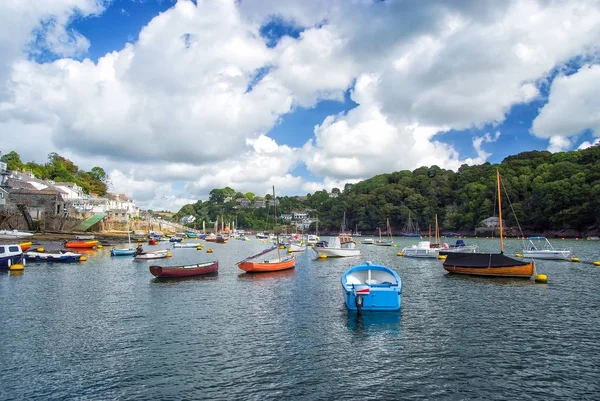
[336, 249]
[422, 250]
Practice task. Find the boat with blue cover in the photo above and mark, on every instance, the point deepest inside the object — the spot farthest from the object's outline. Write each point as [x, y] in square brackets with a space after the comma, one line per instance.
[372, 287]
[53, 256]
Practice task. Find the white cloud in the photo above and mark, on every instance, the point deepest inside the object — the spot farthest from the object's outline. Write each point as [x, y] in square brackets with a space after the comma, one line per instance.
[587, 144]
[198, 92]
[559, 144]
[572, 106]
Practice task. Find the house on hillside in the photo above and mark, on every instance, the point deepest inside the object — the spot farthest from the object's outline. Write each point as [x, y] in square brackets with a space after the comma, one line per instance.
[492, 222]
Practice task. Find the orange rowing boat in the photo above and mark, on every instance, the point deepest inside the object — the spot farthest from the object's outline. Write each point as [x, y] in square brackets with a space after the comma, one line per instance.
[81, 244]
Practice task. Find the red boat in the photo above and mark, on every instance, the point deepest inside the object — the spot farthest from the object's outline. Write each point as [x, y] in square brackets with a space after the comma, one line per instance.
[81, 244]
[152, 241]
[185, 270]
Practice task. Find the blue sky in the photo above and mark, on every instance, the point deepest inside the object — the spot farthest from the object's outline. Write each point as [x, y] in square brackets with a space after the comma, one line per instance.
[304, 95]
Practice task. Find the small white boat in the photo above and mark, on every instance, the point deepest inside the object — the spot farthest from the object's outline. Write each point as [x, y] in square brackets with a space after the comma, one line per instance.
[10, 254]
[297, 247]
[187, 245]
[57, 256]
[14, 234]
[422, 250]
[459, 246]
[84, 237]
[163, 253]
[541, 248]
[367, 241]
[335, 249]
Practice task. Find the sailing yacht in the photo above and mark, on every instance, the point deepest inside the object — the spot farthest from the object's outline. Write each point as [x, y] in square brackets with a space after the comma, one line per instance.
[273, 262]
[389, 241]
[124, 251]
[490, 264]
[411, 230]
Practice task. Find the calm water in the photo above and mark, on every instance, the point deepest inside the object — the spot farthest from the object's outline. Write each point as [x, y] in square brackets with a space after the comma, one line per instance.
[105, 329]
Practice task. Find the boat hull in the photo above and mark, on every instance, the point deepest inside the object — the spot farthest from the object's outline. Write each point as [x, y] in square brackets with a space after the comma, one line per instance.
[268, 265]
[52, 257]
[11, 254]
[369, 287]
[81, 244]
[185, 270]
[493, 265]
[14, 234]
[152, 255]
[336, 252]
[548, 255]
[122, 252]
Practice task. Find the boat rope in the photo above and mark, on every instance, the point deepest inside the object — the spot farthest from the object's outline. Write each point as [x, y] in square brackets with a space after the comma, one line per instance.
[512, 208]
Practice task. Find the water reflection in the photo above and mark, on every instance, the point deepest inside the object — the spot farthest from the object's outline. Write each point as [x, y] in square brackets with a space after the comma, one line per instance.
[374, 322]
[174, 280]
[267, 275]
[508, 281]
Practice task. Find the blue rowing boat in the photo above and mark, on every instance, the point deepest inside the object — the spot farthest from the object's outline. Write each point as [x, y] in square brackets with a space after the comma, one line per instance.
[371, 287]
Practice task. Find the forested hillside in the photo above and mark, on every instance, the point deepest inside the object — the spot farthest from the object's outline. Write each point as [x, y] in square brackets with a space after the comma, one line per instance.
[548, 192]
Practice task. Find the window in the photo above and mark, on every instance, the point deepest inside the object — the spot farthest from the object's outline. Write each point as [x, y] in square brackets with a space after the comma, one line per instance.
[1, 249]
[13, 248]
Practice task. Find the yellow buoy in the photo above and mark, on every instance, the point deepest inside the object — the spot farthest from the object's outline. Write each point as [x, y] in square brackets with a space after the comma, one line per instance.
[40, 250]
[290, 250]
[82, 259]
[99, 246]
[597, 263]
[169, 255]
[442, 257]
[519, 255]
[541, 278]
[574, 259]
[395, 245]
[209, 250]
[16, 267]
[399, 254]
[322, 256]
[199, 248]
[281, 246]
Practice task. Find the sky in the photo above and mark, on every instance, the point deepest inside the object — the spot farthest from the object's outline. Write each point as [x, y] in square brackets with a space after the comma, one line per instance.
[176, 98]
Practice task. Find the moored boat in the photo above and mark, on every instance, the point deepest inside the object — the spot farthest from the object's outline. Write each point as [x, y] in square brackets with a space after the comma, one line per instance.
[14, 234]
[541, 248]
[84, 237]
[25, 245]
[10, 254]
[187, 245]
[185, 270]
[423, 249]
[459, 246]
[489, 264]
[336, 249]
[81, 244]
[372, 287]
[53, 256]
[276, 261]
[122, 252]
[159, 254]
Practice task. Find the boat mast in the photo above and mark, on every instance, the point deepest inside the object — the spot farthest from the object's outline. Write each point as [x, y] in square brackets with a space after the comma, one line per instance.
[275, 223]
[500, 210]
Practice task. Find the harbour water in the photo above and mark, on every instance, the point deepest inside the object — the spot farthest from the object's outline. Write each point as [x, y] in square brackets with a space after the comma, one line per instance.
[106, 329]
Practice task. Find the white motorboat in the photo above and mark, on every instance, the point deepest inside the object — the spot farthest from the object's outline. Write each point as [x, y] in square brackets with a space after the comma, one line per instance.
[14, 234]
[541, 248]
[336, 249]
[163, 253]
[422, 250]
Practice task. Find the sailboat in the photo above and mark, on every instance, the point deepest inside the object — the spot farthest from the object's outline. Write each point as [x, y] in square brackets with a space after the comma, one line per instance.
[489, 264]
[276, 262]
[126, 251]
[425, 249]
[389, 241]
[411, 230]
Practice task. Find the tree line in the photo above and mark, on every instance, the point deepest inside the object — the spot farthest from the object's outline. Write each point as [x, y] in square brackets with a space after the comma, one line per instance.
[541, 192]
